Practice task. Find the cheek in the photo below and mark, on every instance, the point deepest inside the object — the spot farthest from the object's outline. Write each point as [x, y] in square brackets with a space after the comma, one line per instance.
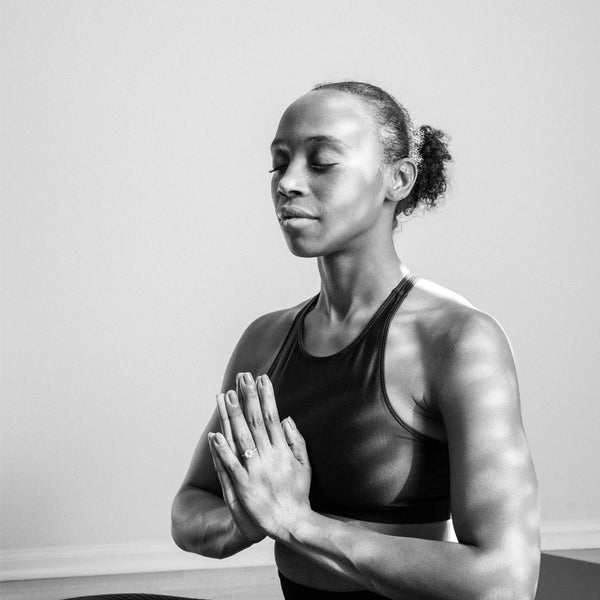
[357, 192]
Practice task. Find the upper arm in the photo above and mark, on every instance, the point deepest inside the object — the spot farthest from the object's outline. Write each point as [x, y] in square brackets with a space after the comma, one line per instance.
[254, 353]
[493, 483]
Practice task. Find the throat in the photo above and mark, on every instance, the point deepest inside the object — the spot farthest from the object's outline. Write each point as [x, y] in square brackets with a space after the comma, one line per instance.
[323, 337]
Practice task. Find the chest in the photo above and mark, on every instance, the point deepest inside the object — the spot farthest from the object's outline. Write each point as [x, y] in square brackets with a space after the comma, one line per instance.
[399, 357]
[360, 453]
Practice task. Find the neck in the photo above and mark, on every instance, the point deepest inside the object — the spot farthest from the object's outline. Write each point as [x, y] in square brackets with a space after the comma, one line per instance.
[358, 279]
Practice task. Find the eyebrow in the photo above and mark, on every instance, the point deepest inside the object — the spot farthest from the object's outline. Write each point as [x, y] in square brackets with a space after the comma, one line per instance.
[328, 140]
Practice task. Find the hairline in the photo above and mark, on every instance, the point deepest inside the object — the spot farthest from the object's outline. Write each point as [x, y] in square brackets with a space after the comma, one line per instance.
[324, 139]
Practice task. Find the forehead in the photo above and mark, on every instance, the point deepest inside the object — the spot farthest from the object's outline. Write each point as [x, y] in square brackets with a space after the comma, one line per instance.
[327, 113]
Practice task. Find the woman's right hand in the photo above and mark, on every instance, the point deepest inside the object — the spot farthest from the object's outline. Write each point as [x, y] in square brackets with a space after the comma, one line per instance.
[244, 523]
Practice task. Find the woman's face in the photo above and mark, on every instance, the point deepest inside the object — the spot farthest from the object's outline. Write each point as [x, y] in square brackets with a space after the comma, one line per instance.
[328, 185]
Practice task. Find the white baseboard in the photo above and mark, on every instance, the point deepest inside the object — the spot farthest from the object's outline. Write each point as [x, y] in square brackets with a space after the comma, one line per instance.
[75, 561]
[571, 535]
[78, 561]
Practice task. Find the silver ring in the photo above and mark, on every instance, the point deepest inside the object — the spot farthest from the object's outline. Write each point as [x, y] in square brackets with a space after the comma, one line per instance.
[250, 453]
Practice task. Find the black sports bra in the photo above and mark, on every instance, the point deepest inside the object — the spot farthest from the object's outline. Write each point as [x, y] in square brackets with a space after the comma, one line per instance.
[367, 463]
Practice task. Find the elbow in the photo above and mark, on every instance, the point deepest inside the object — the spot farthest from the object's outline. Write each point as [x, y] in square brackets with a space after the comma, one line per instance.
[509, 581]
[500, 590]
[178, 532]
[182, 528]
[178, 536]
[505, 592]
[184, 540]
[190, 539]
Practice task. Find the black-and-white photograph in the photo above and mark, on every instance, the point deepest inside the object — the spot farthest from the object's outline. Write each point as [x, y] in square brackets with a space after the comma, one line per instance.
[299, 300]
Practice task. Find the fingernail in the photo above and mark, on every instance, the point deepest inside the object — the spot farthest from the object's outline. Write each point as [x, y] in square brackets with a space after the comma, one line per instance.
[291, 422]
[264, 381]
[210, 435]
[232, 398]
[219, 439]
[248, 379]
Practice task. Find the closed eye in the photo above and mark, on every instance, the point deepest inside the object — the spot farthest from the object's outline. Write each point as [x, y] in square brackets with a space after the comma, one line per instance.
[322, 166]
[275, 169]
[317, 166]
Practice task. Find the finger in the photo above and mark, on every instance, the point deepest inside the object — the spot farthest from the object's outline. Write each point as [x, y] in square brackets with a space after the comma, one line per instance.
[252, 411]
[269, 411]
[240, 392]
[238, 389]
[241, 433]
[295, 441]
[225, 424]
[233, 467]
[227, 487]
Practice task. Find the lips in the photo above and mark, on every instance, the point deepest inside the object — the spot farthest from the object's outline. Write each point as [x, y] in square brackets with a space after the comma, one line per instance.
[294, 212]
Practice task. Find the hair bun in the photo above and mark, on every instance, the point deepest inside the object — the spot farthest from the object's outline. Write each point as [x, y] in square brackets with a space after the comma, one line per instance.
[431, 181]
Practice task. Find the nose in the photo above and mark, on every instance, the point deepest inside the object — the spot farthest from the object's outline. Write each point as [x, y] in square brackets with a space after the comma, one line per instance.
[292, 182]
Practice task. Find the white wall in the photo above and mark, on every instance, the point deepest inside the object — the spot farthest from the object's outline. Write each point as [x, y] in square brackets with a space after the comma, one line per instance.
[139, 240]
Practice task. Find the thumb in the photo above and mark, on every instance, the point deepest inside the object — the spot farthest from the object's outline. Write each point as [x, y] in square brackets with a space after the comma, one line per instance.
[295, 441]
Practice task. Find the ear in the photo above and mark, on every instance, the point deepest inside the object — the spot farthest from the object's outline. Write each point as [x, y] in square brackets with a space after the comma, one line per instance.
[403, 175]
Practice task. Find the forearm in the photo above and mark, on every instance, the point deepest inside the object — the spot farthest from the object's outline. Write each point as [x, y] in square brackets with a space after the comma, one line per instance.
[202, 523]
[410, 568]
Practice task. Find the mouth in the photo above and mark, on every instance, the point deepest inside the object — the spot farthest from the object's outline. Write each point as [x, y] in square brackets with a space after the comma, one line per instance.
[296, 223]
[293, 223]
[292, 214]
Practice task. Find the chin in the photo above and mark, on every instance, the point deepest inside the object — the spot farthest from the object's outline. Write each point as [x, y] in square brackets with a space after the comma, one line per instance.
[303, 248]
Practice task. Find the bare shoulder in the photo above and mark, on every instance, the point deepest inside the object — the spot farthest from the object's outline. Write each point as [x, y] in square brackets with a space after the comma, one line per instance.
[448, 320]
[454, 340]
[260, 343]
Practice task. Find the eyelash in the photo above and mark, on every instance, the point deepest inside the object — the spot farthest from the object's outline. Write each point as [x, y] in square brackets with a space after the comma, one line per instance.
[318, 167]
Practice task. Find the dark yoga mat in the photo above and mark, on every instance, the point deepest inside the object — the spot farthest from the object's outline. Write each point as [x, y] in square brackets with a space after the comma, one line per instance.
[131, 597]
[568, 579]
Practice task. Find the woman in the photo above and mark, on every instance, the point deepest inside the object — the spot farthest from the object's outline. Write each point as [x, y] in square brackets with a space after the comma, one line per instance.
[398, 399]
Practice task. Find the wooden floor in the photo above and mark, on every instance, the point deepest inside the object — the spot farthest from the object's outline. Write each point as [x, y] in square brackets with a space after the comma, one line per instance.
[568, 575]
[255, 583]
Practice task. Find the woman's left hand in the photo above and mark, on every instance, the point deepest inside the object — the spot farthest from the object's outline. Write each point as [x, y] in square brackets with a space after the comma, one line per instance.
[272, 480]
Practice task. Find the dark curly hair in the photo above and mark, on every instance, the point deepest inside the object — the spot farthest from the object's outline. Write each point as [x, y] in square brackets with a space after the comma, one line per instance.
[397, 134]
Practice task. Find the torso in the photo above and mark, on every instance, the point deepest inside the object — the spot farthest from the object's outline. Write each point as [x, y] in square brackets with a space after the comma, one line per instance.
[419, 336]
